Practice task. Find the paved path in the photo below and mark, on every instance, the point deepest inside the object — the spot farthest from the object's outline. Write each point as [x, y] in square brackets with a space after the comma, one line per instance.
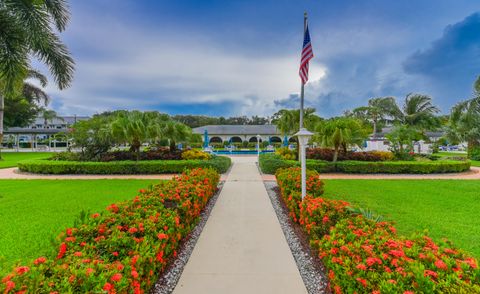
[242, 248]
[473, 174]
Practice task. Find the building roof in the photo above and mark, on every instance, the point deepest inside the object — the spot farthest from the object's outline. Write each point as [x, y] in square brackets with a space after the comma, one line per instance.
[388, 130]
[238, 130]
[70, 119]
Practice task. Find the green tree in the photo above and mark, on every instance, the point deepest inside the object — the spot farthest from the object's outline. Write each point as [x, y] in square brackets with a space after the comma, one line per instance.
[48, 115]
[93, 136]
[288, 120]
[401, 136]
[28, 29]
[376, 112]
[175, 132]
[341, 133]
[465, 125]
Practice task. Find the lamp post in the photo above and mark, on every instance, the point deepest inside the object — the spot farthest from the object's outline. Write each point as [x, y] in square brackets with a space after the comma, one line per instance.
[303, 136]
[258, 145]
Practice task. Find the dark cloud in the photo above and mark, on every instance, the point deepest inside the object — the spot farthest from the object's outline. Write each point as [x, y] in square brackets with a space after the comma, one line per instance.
[455, 56]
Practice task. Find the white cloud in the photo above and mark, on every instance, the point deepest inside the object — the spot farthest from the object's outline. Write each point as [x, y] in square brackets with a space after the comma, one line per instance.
[139, 68]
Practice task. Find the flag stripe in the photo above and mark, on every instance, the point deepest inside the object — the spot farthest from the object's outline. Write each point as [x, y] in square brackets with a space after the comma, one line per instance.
[307, 54]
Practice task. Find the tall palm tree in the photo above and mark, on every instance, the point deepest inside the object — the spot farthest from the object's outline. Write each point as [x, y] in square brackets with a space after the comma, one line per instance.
[131, 127]
[27, 28]
[419, 112]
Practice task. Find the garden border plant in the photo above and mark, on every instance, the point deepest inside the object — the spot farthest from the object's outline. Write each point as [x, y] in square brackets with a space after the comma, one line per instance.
[270, 163]
[124, 248]
[220, 163]
[366, 255]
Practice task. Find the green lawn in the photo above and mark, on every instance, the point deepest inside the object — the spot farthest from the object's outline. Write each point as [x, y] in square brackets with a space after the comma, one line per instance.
[447, 208]
[10, 159]
[32, 212]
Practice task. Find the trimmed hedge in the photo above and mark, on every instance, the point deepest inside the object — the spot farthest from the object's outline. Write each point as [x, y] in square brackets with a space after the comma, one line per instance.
[365, 256]
[403, 167]
[270, 163]
[124, 248]
[220, 163]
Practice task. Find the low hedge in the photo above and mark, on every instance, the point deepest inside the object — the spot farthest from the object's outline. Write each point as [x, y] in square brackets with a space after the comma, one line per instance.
[402, 167]
[270, 163]
[124, 248]
[365, 256]
[220, 163]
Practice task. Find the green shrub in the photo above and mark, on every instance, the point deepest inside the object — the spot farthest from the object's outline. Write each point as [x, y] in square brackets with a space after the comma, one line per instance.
[219, 163]
[474, 153]
[403, 167]
[286, 153]
[270, 163]
[195, 154]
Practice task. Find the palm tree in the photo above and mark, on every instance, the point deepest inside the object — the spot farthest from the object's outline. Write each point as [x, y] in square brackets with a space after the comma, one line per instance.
[465, 124]
[131, 127]
[341, 132]
[27, 28]
[175, 132]
[419, 112]
[49, 115]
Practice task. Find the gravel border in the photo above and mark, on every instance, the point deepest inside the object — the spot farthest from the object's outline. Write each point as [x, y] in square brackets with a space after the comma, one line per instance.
[168, 280]
[308, 263]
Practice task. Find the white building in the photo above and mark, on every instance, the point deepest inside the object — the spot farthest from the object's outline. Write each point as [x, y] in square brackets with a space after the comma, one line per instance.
[241, 133]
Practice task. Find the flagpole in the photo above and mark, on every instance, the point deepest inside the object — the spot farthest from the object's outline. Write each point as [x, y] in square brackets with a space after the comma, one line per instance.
[302, 90]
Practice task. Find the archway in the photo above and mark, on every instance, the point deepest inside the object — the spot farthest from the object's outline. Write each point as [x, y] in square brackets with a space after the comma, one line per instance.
[236, 139]
[254, 140]
[292, 140]
[275, 139]
[216, 140]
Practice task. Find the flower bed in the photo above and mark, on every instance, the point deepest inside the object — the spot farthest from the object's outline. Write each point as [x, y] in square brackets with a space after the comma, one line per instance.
[366, 256]
[270, 163]
[219, 163]
[124, 248]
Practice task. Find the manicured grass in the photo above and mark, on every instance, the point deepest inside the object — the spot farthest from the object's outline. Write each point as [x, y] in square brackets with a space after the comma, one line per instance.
[10, 159]
[33, 212]
[447, 208]
[459, 154]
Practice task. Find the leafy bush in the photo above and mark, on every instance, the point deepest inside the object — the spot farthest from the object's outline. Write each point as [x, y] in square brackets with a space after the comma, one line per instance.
[286, 153]
[269, 163]
[327, 155]
[403, 167]
[66, 156]
[366, 256]
[289, 182]
[219, 163]
[195, 154]
[155, 154]
[474, 153]
[124, 248]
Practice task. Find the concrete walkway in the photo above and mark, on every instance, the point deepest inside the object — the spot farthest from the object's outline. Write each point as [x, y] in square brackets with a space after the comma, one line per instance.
[242, 248]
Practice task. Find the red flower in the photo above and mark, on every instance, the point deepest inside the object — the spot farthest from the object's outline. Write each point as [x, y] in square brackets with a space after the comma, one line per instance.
[107, 287]
[325, 219]
[429, 273]
[40, 260]
[362, 281]
[22, 269]
[95, 215]
[62, 250]
[361, 266]
[408, 292]
[115, 253]
[132, 230]
[89, 271]
[441, 265]
[9, 285]
[162, 236]
[134, 274]
[78, 253]
[116, 277]
[397, 253]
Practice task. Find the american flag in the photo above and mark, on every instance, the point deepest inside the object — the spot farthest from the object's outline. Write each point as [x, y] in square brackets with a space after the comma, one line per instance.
[307, 54]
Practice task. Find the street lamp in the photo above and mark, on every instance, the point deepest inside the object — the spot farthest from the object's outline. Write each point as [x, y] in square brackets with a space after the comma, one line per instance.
[258, 145]
[303, 136]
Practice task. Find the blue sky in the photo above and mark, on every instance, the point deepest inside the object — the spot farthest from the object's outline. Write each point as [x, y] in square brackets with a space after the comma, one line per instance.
[241, 57]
